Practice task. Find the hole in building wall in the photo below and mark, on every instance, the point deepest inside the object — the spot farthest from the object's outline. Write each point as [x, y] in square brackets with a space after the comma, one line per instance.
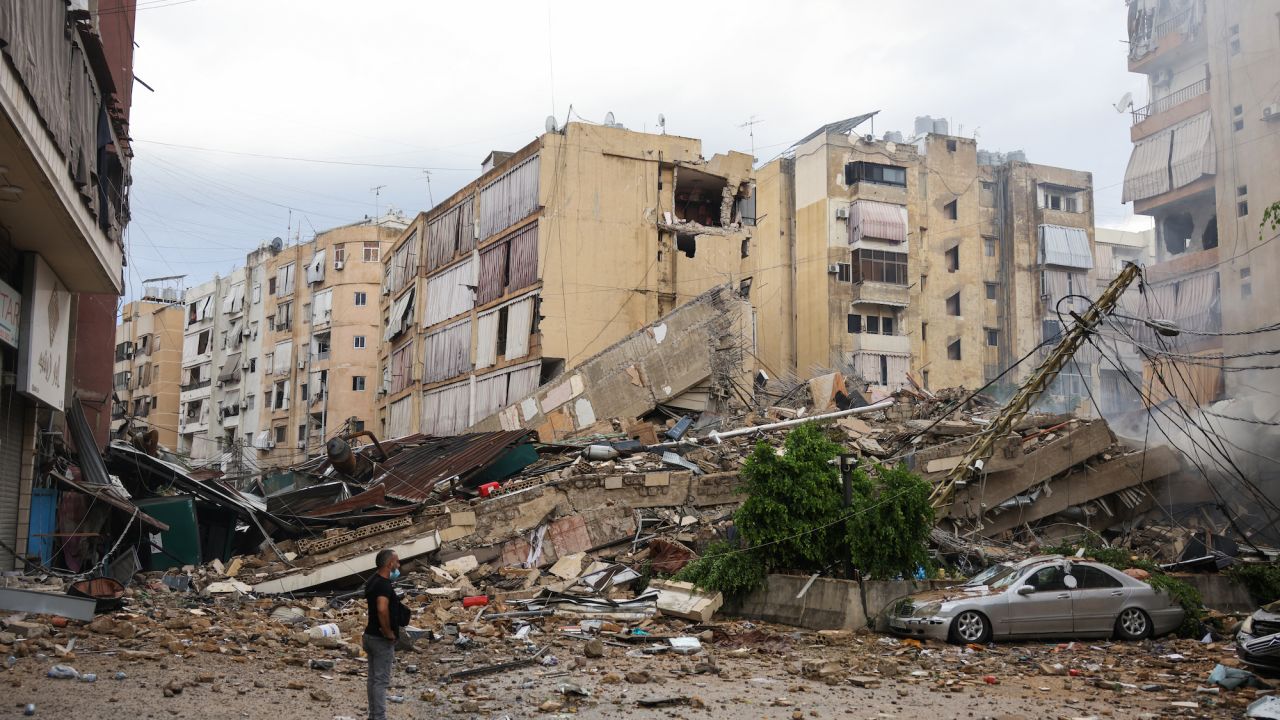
[551, 369]
[1175, 232]
[1209, 238]
[699, 197]
[687, 244]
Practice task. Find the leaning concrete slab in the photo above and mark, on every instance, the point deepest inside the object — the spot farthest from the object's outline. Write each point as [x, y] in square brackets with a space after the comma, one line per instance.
[356, 565]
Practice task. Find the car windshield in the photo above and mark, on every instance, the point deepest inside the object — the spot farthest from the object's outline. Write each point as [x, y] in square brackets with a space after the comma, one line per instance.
[997, 576]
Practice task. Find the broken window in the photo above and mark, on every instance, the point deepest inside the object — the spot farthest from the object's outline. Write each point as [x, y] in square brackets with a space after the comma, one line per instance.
[284, 316]
[950, 211]
[203, 344]
[953, 350]
[953, 304]
[1054, 197]
[284, 279]
[321, 346]
[745, 208]
[280, 395]
[1175, 232]
[880, 266]
[856, 172]
[953, 259]
[687, 244]
[699, 197]
[744, 288]
[951, 145]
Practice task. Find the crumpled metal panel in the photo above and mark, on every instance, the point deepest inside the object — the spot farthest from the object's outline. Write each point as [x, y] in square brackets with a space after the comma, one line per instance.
[423, 461]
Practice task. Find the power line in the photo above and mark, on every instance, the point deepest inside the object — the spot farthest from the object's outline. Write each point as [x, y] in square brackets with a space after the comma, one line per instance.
[293, 158]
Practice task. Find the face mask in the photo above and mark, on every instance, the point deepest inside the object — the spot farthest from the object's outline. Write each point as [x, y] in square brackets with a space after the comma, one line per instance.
[395, 574]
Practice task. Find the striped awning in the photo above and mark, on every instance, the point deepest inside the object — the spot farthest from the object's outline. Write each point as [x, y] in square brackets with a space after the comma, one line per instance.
[1065, 247]
[1193, 153]
[871, 220]
[1148, 171]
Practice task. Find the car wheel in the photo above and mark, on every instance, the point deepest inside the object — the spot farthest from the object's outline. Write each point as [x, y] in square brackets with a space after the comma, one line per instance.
[970, 626]
[1133, 624]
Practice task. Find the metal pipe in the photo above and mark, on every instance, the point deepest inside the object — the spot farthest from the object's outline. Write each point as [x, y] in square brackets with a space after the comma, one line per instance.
[719, 436]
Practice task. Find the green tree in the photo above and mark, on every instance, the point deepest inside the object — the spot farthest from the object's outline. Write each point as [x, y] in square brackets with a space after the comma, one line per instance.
[888, 534]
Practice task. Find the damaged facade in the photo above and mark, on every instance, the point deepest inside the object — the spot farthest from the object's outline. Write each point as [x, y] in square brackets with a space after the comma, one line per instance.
[65, 86]
[1203, 168]
[148, 363]
[556, 252]
[281, 353]
[925, 256]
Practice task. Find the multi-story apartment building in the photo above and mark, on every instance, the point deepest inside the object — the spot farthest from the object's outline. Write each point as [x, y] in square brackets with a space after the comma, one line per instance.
[282, 353]
[554, 253]
[1204, 168]
[65, 78]
[923, 255]
[1122, 370]
[148, 362]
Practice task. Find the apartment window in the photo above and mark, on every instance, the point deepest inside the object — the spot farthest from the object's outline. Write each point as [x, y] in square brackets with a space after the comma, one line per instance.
[302, 433]
[880, 266]
[204, 341]
[951, 145]
[993, 337]
[277, 402]
[989, 247]
[953, 350]
[361, 299]
[339, 255]
[953, 304]
[886, 325]
[271, 286]
[250, 401]
[924, 331]
[953, 259]
[257, 293]
[1233, 41]
[844, 272]
[855, 324]
[873, 324]
[924, 374]
[1050, 329]
[303, 391]
[357, 383]
[322, 346]
[950, 211]
[1246, 290]
[987, 194]
[1242, 190]
[269, 360]
[372, 251]
[1242, 208]
[359, 341]
[253, 365]
[1237, 118]
[279, 429]
[1245, 273]
[856, 172]
[991, 290]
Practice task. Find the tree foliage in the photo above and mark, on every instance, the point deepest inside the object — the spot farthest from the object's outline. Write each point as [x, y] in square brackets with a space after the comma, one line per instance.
[794, 518]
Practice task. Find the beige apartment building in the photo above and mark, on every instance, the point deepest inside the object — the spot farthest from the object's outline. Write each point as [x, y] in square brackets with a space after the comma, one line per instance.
[922, 254]
[1204, 167]
[554, 253]
[148, 363]
[282, 354]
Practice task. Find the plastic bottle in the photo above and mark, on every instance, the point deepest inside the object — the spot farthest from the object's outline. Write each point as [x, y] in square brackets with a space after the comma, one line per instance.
[63, 672]
[328, 630]
[89, 677]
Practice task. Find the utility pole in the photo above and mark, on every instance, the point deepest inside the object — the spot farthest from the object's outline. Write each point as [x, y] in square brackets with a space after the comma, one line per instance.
[848, 464]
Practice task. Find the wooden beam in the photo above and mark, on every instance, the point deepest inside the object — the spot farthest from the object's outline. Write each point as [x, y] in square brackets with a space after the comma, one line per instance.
[1088, 484]
[1057, 456]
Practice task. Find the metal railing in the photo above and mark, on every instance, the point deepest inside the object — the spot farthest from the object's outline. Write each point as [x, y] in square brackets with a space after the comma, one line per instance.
[1177, 23]
[1194, 90]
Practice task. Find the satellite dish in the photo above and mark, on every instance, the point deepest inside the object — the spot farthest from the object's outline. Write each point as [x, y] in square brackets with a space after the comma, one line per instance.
[276, 245]
[608, 118]
[551, 123]
[662, 121]
[1126, 102]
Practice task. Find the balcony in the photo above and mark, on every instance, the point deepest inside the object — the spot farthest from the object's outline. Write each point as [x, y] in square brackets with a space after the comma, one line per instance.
[1170, 109]
[871, 342]
[1161, 38]
[199, 385]
[880, 293]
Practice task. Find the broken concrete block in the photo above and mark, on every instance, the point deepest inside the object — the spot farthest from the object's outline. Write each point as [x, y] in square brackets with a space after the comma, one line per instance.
[461, 565]
[462, 518]
[657, 479]
[456, 532]
[569, 567]
[613, 482]
[685, 600]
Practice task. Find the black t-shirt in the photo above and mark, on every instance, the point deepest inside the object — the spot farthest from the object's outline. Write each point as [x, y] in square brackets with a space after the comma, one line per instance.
[379, 586]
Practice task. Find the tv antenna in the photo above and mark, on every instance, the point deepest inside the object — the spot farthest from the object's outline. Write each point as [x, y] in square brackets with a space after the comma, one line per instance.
[750, 125]
[377, 193]
[430, 199]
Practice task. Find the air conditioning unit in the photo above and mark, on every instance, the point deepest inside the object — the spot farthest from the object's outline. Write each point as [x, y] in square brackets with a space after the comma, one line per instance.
[338, 264]
[386, 290]
[302, 364]
[842, 213]
[302, 444]
[244, 404]
[245, 366]
[833, 268]
[246, 332]
[1271, 112]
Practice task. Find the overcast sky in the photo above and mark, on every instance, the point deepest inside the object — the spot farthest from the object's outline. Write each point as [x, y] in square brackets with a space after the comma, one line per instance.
[383, 89]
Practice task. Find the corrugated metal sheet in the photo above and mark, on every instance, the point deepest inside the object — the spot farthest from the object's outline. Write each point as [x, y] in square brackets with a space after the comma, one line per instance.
[450, 293]
[1148, 171]
[414, 471]
[451, 233]
[487, 339]
[1065, 247]
[447, 411]
[1193, 153]
[868, 366]
[493, 270]
[871, 220]
[523, 258]
[519, 326]
[399, 415]
[447, 352]
[509, 198]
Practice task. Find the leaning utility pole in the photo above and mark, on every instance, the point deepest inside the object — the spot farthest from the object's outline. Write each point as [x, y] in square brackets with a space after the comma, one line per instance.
[982, 445]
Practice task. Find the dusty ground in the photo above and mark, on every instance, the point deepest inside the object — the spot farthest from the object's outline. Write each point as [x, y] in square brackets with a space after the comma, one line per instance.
[759, 672]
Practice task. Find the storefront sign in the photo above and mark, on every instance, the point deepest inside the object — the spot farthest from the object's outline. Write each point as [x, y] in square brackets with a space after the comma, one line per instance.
[10, 314]
[46, 323]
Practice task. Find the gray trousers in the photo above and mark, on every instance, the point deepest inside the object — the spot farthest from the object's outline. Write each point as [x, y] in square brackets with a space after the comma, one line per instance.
[382, 655]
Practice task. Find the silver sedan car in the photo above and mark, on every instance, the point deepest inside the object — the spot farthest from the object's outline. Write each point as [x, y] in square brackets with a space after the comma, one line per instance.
[1046, 596]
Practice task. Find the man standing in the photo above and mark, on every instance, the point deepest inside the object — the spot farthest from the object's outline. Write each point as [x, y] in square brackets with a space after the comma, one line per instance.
[386, 616]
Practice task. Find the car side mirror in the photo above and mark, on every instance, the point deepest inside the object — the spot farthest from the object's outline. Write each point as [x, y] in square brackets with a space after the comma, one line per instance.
[1026, 590]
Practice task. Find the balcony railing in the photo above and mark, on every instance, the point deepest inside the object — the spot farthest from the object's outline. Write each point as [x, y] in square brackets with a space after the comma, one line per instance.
[195, 385]
[1171, 100]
